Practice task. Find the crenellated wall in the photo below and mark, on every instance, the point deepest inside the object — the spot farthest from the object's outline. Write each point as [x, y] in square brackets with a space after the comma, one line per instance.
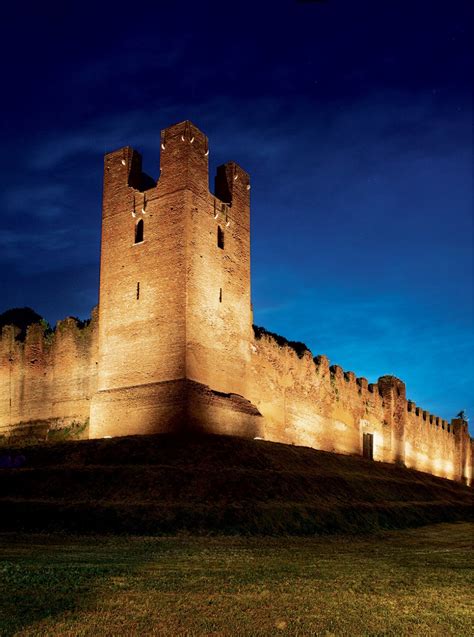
[49, 378]
[303, 401]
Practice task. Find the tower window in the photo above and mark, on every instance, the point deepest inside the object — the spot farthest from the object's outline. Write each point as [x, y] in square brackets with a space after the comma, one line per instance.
[220, 238]
[138, 290]
[139, 231]
[220, 295]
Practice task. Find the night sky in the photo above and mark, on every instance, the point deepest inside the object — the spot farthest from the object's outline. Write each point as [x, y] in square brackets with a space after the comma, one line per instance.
[353, 118]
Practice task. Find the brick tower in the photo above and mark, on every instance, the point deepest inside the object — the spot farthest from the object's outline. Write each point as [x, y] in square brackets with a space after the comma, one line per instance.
[175, 320]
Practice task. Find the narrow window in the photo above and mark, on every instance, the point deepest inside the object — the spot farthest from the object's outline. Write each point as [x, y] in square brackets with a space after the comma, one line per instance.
[138, 290]
[139, 231]
[220, 295]
[220, 238]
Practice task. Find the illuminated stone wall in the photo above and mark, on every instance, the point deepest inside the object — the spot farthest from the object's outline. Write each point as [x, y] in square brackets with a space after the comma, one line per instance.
[141, 300]
[305, 402]
[47, 380]
[175, 308]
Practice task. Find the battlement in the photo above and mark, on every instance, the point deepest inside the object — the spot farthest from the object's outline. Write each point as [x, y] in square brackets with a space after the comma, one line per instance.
[48, 378]
[39, 335]
[424, 417]
[184, 152]
[124, 165]
[184, 133]
[232, 185]
[403, 430]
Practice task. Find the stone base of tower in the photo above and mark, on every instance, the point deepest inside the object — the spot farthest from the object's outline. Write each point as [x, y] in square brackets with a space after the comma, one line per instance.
[142, 409]
[173, 406]
[210, 411]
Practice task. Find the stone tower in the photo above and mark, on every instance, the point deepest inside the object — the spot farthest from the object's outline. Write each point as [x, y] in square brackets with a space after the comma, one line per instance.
[175, 320]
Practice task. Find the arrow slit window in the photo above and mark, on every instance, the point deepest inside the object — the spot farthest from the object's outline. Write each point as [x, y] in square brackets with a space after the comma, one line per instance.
[220, 238]
[139, 231]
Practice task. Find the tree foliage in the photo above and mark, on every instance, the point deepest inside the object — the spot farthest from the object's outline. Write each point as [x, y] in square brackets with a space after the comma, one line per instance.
[21, 317]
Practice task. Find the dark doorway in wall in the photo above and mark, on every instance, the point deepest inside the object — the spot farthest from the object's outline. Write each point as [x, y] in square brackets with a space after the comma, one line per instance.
[368, 446]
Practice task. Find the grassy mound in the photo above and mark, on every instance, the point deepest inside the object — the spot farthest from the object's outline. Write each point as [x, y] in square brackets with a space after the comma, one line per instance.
[164, 484]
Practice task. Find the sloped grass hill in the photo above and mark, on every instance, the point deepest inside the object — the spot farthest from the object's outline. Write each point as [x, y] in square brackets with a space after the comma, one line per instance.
[165, 484]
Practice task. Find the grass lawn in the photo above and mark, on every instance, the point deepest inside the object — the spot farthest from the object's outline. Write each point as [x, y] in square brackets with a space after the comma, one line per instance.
[411, 582]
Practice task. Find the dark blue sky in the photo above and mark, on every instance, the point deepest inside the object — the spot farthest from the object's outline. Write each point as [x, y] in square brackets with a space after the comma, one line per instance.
[354, 119]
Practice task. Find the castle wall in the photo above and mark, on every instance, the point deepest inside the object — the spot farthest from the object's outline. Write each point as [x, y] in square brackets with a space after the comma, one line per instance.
[306, 402]
[48, 379]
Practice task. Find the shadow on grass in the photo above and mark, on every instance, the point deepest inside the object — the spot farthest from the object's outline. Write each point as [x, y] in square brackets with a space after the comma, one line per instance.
[42, 577]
